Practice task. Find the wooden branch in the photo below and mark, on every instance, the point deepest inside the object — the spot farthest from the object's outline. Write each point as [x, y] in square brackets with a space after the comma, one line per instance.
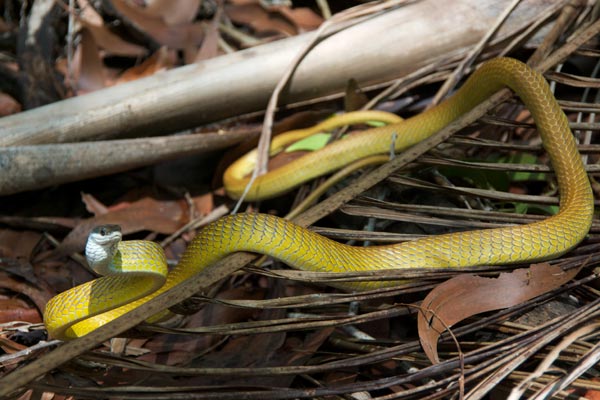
[35, 167]
[379, 49]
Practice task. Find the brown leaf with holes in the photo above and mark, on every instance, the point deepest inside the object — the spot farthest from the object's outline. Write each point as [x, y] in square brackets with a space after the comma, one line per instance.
[466, 295]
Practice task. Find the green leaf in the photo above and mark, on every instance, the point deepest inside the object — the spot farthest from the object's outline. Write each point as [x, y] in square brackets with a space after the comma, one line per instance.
[311, 143]
[375, 124]
[523, 208]
[320, 140]
[477, 177]
[520, 176]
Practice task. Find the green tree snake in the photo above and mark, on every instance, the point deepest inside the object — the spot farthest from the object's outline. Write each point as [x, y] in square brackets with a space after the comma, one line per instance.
[82, 309]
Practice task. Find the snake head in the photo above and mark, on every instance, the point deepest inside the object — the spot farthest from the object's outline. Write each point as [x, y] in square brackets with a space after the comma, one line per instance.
[101, 247]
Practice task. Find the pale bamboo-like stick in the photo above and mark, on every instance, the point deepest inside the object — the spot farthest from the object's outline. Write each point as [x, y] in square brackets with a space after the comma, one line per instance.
[379, 49]
[34, 167]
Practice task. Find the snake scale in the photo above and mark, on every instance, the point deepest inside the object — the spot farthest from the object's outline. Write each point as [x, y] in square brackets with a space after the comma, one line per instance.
[82, 309]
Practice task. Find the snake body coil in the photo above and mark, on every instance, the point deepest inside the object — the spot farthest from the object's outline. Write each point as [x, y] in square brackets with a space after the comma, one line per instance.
[84, 308]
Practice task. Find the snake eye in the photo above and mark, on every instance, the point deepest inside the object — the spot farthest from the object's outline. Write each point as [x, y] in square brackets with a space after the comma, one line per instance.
[107, 230]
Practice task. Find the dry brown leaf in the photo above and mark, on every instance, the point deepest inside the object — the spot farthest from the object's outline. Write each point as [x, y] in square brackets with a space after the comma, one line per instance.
[8, 105]
[303, 18]
[161, 60]
[113, 44]
[177, 37]
[466, 295]
[9, 346]
[592, 395]
[18, 310]
[17, 244]
[284, 158]
[261, 20]
[355, 98]
[93, 205]
[210, 44]
[88, 14]
[203, 204]
[146, 214]
[181, 348]
[276, 18]
[589, 394]
[23, 284]
[174, 12]
[92, 74]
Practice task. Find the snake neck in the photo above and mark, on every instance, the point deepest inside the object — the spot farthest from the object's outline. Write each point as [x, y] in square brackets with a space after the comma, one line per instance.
[100, 256]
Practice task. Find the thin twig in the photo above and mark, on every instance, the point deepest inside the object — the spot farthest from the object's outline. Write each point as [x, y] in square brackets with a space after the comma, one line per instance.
[470, 58]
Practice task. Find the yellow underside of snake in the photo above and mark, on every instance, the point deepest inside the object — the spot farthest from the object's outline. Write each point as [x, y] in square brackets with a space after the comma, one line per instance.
[82, 309]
